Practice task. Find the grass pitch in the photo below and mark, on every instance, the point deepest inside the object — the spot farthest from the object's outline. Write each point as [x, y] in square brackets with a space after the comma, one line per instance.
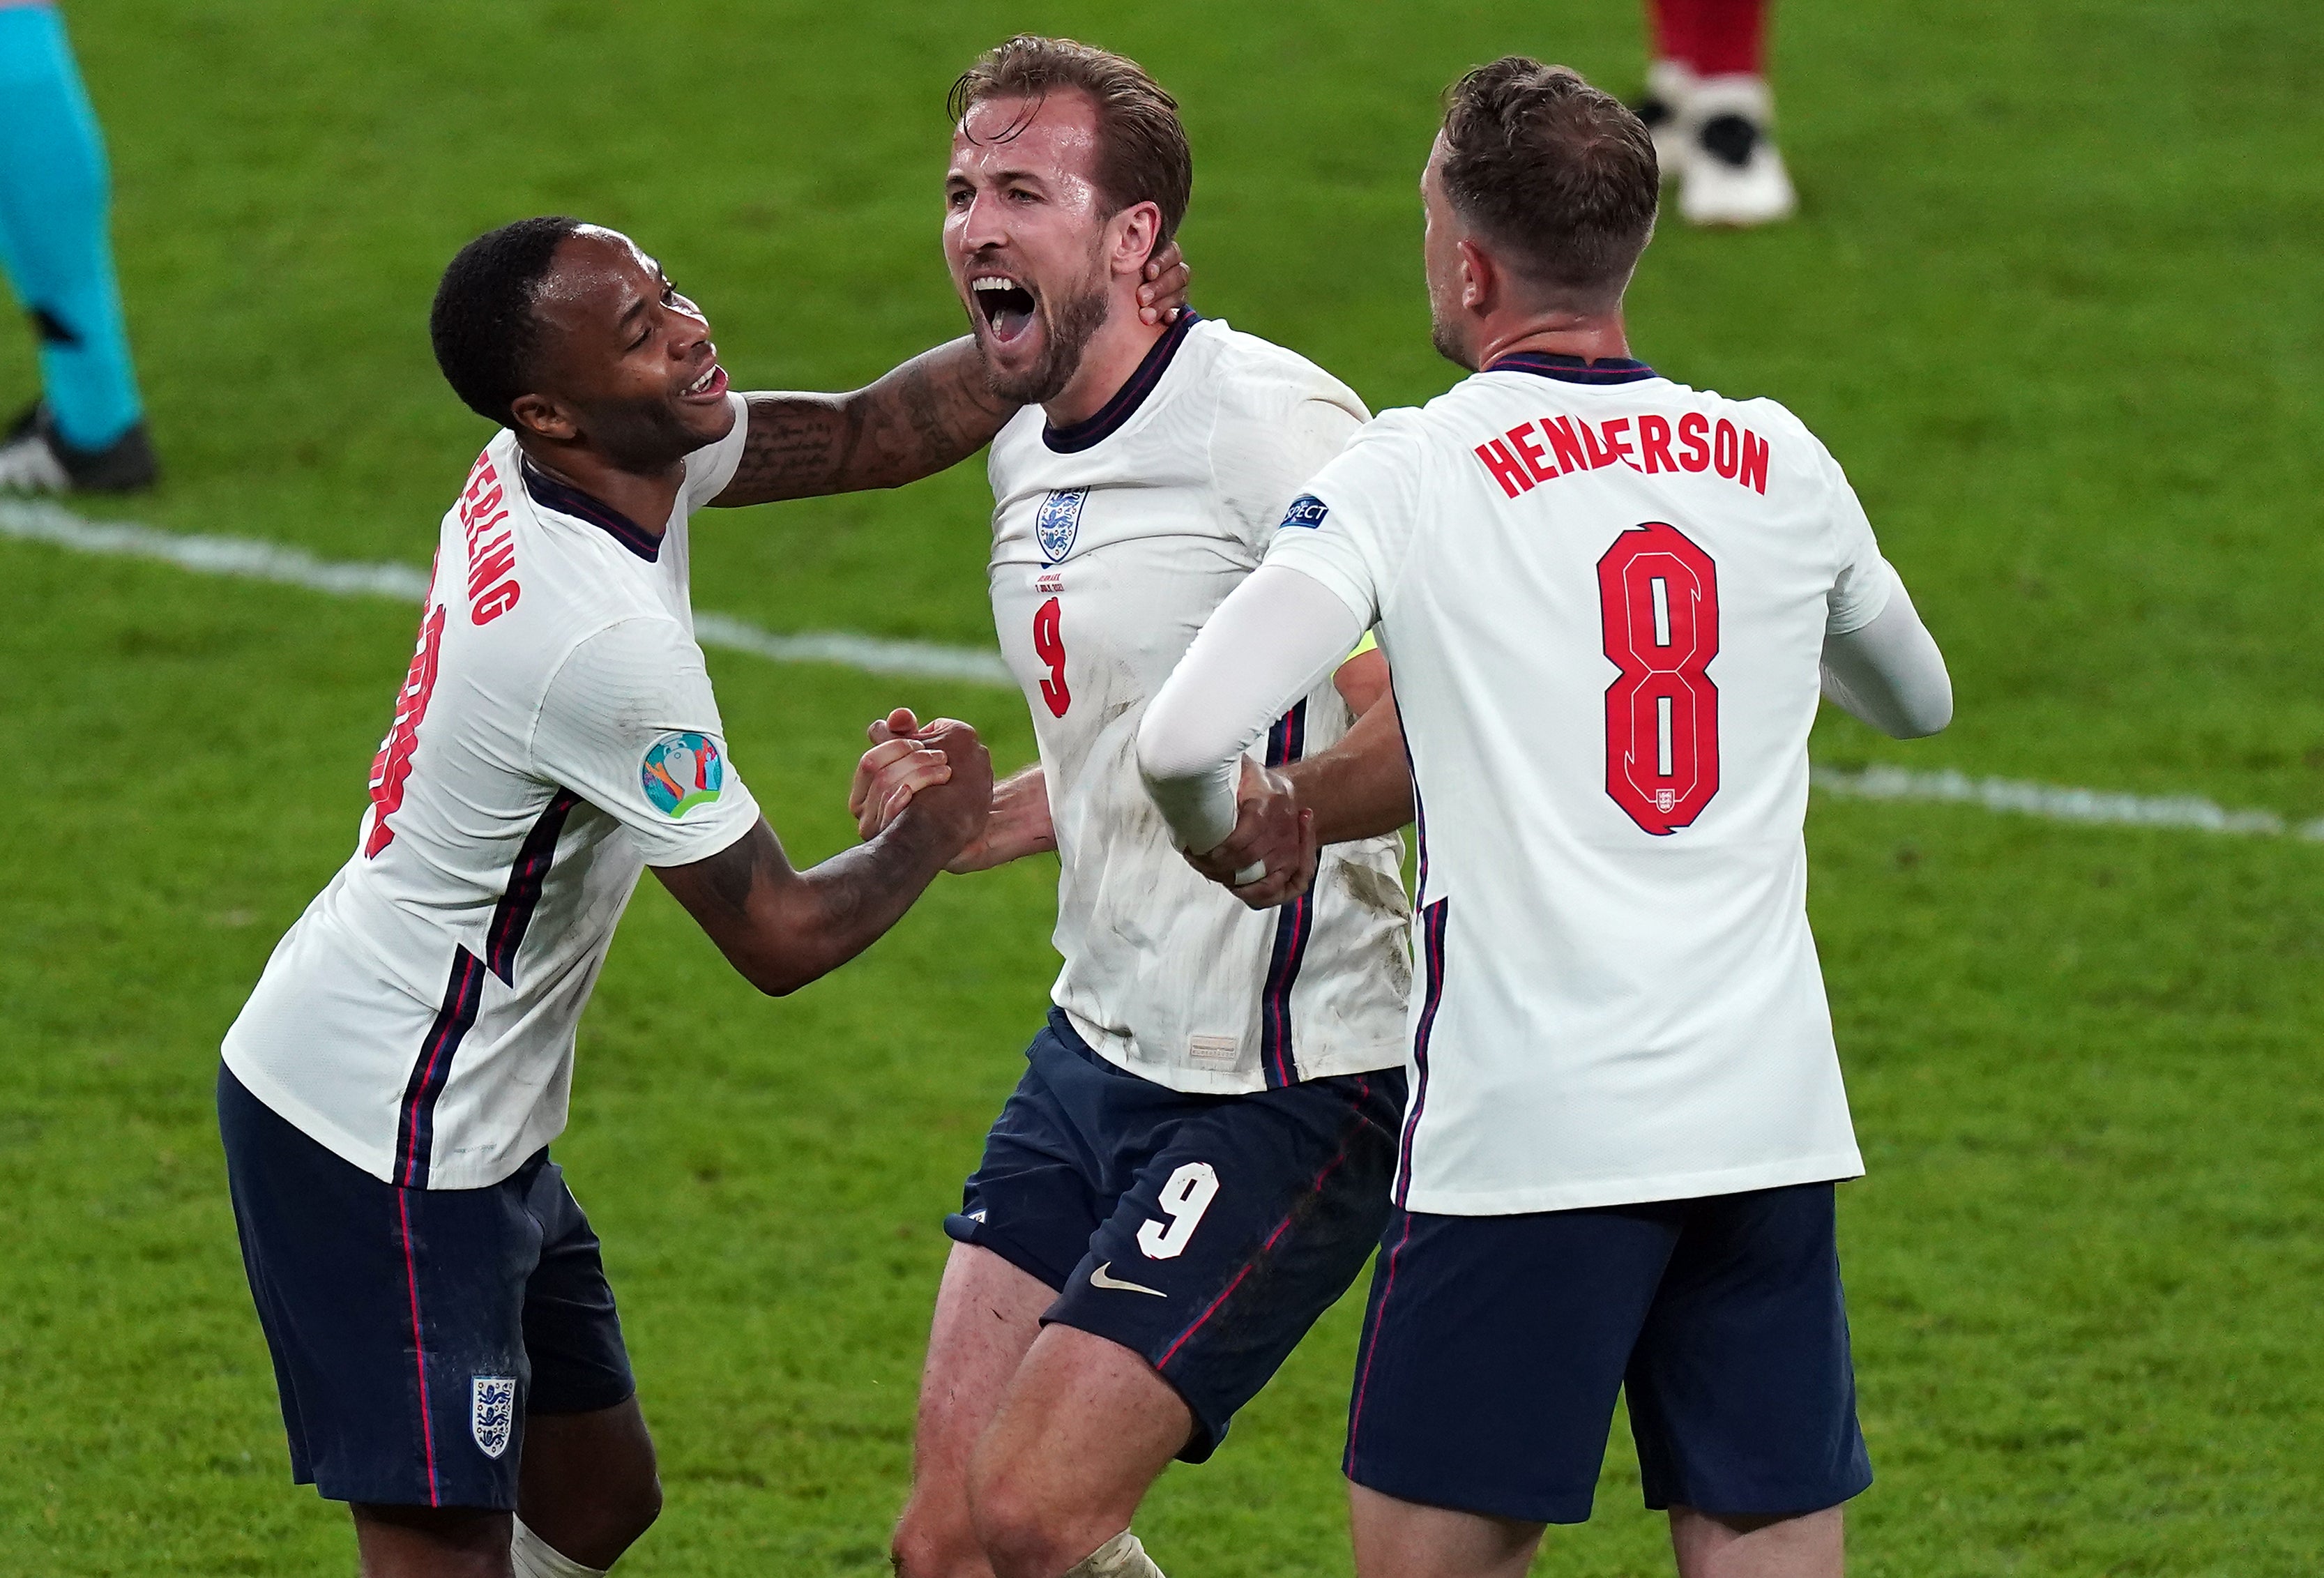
[2051, 300]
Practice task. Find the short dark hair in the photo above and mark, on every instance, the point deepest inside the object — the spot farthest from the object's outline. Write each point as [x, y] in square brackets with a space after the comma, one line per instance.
[483, 325]
[1142, 152]
[1557, 172]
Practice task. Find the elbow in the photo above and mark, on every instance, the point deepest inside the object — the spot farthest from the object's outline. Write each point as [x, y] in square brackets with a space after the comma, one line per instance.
[779, 973]
[1932, 715]
[775, 981]
[1163, 764]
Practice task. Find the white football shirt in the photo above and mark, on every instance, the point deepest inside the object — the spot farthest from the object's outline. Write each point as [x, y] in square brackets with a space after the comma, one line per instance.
[1112, 541]
[554, 736]
[1605, 597]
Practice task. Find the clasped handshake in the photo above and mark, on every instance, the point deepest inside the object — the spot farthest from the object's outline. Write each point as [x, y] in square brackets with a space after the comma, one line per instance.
[1269, 859]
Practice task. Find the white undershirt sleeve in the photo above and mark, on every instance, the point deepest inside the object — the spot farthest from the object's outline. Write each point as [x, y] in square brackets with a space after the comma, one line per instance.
[1270, 643]
[1889, 672]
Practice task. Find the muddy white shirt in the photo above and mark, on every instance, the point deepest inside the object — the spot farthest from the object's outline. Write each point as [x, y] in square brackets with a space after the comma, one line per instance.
[556, 734]
[1604, 597]
[1112, 541]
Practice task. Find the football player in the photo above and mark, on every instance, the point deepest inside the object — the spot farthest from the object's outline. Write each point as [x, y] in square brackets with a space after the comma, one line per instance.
[1194, 1162]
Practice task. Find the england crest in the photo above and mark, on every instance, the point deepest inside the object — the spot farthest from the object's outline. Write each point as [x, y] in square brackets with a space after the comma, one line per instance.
[1059, 520]
[491, 1412]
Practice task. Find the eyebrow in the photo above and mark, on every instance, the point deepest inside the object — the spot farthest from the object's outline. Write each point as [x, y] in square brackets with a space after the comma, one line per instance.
[1033, 176]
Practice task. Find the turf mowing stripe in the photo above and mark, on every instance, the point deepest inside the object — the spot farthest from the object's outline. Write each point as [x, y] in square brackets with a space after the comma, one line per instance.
[251, 560]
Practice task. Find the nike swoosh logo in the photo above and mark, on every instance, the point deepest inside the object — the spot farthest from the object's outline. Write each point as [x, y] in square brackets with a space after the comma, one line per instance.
[1098, 1278]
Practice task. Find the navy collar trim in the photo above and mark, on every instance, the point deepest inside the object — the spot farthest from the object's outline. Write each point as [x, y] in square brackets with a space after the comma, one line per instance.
[1126, 400]
[567, 500]
[1575, 369]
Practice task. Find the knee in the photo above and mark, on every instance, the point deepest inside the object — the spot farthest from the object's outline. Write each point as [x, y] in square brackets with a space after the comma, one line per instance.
[933, 1541]
[1019, 1535]
[616, 1517]
[642, 1506]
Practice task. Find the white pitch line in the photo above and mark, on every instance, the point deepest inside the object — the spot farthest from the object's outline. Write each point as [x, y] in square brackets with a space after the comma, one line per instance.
[40, 522]
[251, 560]
[2056, 804]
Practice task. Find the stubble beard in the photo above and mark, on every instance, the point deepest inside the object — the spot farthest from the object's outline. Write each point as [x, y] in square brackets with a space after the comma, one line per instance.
[1066, 334]
[1447, 343]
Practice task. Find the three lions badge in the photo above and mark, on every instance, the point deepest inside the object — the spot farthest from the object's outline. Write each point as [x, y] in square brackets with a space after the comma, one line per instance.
[491, 1412]
[1059, 520]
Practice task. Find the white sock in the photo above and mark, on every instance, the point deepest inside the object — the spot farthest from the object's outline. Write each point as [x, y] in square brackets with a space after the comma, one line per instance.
[1120, 1557]
[532, 1557]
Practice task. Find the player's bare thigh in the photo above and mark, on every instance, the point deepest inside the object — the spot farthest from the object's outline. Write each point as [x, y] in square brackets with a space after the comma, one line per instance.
[988, 1314]
[1396, 1538]
[1086, 1427]
[587, 1486]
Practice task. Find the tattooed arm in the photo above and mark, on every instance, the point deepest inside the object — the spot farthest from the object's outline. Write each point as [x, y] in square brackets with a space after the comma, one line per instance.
[782, 928]
[932, 411]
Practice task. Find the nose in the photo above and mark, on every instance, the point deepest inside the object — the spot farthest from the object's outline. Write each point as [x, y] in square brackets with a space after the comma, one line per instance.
[689, 328]
[982, 225]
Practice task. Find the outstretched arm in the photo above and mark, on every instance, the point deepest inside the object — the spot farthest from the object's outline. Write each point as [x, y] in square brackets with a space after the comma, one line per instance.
[932, 411]
[1359, 787]
[783, 928]
[1269, 641]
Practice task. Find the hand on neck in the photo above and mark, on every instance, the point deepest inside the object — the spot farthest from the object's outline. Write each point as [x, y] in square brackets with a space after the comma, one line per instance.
[1111, 356]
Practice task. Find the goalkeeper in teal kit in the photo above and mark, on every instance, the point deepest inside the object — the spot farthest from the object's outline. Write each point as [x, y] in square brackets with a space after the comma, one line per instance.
[85, 432]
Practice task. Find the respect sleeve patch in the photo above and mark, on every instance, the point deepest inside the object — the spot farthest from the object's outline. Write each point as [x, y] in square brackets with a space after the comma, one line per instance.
[1307, 511]
[682, 770]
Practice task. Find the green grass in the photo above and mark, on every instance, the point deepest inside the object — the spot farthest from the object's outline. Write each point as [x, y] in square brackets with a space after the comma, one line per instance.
[2053, 302]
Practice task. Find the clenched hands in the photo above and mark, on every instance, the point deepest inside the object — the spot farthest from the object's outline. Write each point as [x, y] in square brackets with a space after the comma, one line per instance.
[1273, 843]
[908, 761]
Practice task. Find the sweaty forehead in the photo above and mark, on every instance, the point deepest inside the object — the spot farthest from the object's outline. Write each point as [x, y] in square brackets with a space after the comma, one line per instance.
[596, 272]
[1054, 137]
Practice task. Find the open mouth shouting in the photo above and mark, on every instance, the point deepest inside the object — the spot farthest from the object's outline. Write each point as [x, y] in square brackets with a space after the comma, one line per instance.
[1006, 306]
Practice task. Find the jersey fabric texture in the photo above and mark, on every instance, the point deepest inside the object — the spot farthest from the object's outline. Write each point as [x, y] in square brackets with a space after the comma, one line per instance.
[554, 736]
[1205, 1233]
[1720, 1321]
[1112, 541]
[1605, 596]
[413, 1330]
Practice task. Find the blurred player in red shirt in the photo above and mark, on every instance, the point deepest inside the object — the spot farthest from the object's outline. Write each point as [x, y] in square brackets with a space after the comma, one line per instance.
[1711, 116]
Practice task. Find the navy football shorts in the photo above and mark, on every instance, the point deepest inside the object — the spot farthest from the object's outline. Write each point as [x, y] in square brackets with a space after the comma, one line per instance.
[1494, 1346]
[413, 1330]
[1205, 1233]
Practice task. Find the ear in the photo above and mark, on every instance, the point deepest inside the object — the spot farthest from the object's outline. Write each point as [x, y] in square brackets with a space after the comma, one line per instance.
[1480, 278]
[1136, 233]
[543, 417]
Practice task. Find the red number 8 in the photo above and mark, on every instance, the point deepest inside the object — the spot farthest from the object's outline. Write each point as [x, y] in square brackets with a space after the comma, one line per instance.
[1658, 594]
[1049, 646]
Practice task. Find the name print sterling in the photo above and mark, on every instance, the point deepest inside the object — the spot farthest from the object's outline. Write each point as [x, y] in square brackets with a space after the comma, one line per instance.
[493, 590]
[1532, 453]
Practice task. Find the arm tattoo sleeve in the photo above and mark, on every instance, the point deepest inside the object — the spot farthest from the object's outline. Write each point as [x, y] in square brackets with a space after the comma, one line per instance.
[932, 412]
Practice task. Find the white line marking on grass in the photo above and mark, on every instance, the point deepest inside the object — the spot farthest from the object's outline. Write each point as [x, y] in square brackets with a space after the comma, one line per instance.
[250, 560]
[2056, 804]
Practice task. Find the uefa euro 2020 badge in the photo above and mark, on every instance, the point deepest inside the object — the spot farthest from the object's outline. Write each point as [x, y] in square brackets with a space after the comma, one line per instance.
[491, 1412]
[1059, 520]
[681, 771]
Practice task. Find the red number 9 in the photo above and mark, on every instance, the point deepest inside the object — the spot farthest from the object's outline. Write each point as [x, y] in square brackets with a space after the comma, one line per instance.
[1049, 646]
